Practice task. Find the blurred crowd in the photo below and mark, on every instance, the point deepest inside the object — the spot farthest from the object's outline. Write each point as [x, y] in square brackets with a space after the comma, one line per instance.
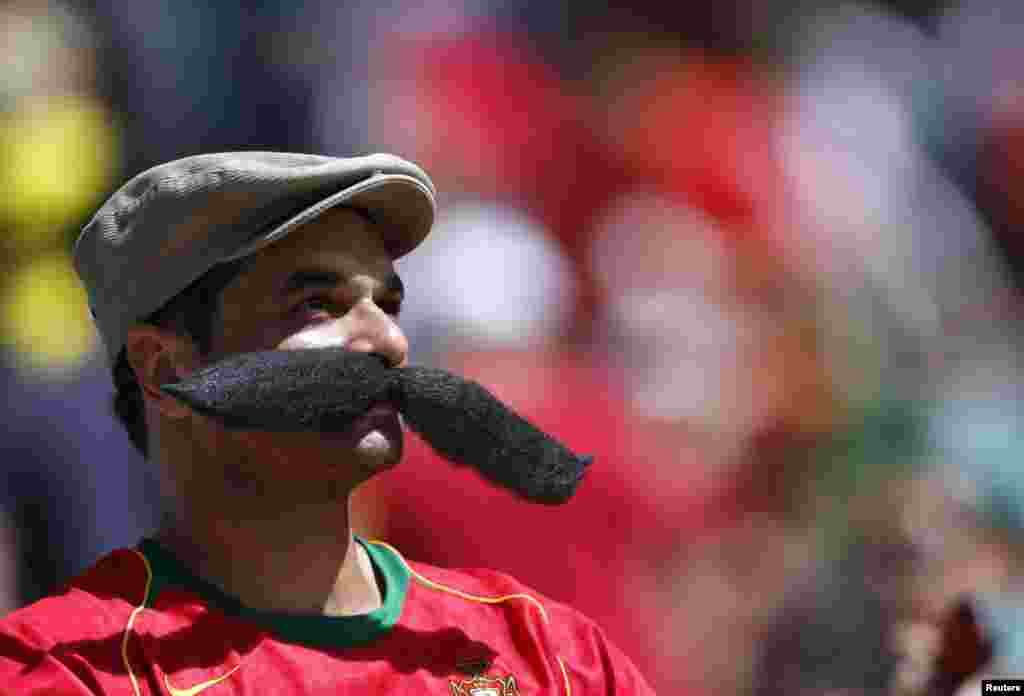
[760, 258]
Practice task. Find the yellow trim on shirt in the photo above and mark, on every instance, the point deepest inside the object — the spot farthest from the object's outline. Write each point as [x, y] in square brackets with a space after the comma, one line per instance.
[476, 598]
[459, 593]
[565, 676]
[202, 686]
[174, 691]
[131, 622]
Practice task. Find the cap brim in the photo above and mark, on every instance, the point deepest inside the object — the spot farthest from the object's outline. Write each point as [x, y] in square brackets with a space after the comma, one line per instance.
[401, 206]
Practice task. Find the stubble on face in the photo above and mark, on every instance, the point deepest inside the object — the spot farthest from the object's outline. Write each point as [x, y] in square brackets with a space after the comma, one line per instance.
[277, 471]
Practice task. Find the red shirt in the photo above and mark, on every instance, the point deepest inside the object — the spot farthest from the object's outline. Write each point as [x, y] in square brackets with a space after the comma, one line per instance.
[138, 622]
[640, 504]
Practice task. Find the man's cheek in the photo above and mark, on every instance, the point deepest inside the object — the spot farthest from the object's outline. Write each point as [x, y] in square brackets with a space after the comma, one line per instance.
[291, 456]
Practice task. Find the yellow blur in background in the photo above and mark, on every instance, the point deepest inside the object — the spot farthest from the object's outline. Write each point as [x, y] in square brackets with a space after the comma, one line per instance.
[59, 155]
[42, 317]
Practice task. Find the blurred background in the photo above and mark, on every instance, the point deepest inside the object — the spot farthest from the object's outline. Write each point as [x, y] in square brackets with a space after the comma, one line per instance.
[762, 258]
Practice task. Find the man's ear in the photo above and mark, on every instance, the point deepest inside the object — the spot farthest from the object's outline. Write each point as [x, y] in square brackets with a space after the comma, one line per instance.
[160, 356]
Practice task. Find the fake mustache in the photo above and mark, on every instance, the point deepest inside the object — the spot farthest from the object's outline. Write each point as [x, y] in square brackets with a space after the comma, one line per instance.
[327, 389]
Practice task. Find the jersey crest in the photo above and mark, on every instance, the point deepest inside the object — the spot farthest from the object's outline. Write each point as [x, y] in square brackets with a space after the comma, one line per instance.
[481, 685]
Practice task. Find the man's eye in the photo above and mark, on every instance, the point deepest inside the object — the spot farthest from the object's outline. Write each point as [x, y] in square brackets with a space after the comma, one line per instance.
[314, 304]
[392, 307]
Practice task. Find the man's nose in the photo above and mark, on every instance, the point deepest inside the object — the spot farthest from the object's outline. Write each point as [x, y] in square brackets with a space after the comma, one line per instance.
[372, 330]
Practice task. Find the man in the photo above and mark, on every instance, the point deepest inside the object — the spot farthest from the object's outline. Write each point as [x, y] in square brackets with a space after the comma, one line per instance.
[228, 278]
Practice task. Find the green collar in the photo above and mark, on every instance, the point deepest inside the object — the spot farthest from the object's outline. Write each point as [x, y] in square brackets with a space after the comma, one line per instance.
[310, 629]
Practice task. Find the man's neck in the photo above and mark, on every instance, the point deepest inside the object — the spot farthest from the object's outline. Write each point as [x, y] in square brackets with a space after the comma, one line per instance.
[305, 561]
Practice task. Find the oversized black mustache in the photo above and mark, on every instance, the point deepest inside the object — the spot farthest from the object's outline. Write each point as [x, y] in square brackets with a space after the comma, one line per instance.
[327, 389]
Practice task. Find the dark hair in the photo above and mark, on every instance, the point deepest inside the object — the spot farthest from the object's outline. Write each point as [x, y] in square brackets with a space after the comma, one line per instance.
[193, 312]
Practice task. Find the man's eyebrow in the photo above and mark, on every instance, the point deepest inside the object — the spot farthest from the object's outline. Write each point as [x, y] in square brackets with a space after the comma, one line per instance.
[319, 278]
[312, 278]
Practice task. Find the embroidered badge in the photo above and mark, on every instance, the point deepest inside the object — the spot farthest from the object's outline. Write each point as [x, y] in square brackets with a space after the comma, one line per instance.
[481, 685]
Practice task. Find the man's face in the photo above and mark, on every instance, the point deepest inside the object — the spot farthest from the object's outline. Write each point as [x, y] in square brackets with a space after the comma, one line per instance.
[329, 283]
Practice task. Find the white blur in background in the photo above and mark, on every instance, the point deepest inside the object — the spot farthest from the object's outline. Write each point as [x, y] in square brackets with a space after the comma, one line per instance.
[488, 276]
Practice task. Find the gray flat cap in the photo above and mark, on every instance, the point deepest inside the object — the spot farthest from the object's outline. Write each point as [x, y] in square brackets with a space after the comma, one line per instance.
[171, 224]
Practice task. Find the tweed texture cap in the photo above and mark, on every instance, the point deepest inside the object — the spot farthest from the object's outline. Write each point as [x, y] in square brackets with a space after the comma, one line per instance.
[171, 224]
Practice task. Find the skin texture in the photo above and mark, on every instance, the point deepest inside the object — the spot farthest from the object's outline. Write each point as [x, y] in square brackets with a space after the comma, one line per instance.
[266, 515]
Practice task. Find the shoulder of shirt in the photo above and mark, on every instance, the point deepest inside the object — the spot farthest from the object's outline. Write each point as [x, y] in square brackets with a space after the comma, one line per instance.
[95, 602]
[579, 646]
[476, 587]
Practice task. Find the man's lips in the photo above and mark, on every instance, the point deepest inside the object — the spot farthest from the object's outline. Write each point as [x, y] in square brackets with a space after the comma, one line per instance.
[381, 417]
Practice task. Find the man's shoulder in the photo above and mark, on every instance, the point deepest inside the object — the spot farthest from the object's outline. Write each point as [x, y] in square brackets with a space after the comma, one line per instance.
[71, 642]
[497, 604]
[88, 607]
[494, 591]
